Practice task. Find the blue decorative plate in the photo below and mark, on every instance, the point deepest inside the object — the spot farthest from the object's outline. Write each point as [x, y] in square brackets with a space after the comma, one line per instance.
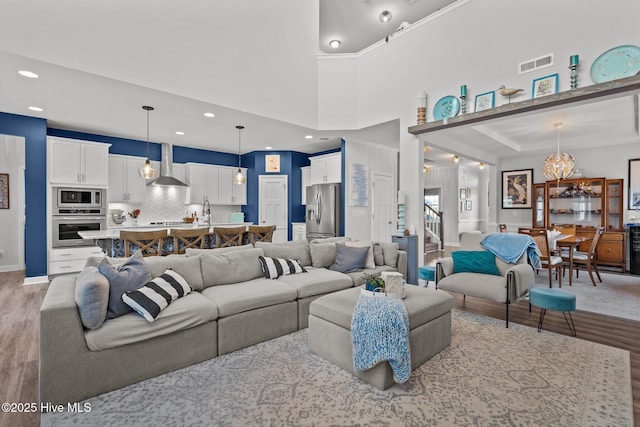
[446, 107]
[616, 63]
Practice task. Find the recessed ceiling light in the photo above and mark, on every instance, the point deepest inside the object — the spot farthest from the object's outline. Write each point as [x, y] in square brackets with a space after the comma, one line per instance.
[268, 148]
[335, 44]
[35, 109]
[385, 16]
[308, 137]
[29, 74]
[179, 132]
[209, 115]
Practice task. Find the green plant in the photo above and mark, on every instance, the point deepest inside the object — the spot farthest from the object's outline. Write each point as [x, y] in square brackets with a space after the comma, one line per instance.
[373, 282]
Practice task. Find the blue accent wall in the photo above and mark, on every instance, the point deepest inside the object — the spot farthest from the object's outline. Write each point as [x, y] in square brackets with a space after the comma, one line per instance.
[34, 130]
[132, 147]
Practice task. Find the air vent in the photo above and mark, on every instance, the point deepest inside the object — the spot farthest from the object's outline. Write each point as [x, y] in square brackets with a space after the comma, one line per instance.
[535, 64]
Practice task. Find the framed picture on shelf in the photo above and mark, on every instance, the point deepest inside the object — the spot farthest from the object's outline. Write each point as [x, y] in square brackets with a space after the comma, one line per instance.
[634, 184]
[543, 86]
[467, 205]
[463, 193]
[485, 101]
[4, 191]
[517, 188]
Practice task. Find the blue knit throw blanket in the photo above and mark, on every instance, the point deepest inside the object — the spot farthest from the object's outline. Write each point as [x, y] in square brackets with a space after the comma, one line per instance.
[379, 332]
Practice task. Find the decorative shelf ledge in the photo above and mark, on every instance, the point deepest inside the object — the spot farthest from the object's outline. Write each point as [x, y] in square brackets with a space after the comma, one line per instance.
[600, 91]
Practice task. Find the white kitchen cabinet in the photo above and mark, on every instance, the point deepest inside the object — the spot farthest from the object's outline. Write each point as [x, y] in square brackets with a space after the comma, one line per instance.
[71, 260]
[298, 231]
[305, 180]
[203, 183]
[326, 168]
[229, 192]
[75, 162]
[125, 183]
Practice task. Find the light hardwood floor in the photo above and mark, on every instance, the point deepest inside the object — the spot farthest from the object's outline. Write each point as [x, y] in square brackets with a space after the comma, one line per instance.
[19, 307]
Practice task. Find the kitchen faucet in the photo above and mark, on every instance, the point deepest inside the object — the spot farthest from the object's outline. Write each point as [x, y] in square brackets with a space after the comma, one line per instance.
[206, 210]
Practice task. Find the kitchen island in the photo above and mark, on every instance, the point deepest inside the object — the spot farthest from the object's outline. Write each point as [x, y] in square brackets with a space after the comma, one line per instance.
[111, 244]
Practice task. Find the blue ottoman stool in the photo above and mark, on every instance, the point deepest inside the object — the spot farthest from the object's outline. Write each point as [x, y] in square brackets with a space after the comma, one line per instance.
[553, 299]
[427, 273]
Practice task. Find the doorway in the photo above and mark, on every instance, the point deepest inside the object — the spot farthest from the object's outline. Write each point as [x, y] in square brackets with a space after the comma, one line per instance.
[383, 206]
[273, 202]
[433, 227]
[12, 218]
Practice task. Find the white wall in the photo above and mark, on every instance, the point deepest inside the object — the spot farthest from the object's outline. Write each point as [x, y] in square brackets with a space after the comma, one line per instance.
[12, 161]
[357, 220]
[478, 43]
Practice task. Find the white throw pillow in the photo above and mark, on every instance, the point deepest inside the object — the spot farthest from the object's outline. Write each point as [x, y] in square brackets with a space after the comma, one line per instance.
[369, 263]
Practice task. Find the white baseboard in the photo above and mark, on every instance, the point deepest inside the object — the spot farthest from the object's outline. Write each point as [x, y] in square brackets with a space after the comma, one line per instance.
[7, 268]
[36, 280]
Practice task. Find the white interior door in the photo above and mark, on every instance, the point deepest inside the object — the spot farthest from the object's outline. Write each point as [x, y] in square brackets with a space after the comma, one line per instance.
[383, 205]
[273, 203]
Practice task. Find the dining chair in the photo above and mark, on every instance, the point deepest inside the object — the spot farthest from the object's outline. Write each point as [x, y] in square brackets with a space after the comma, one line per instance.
[143, 240]
[503, 228]
[261, 233]
[228, 236]
[588, 260]
[547, 259]
[188, 238]
[566, 230]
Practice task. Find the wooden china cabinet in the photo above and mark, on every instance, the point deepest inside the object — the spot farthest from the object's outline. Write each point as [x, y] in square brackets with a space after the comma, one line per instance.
[588, 203]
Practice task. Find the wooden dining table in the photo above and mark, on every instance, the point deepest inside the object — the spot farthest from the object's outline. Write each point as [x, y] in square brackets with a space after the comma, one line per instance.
[571, 242]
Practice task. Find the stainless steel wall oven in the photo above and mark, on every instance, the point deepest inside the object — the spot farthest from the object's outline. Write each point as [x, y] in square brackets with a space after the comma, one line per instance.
[74, 210]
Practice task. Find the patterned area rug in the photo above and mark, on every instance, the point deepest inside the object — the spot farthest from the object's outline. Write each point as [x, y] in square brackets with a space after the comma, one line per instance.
[489, 376]
[618, 295]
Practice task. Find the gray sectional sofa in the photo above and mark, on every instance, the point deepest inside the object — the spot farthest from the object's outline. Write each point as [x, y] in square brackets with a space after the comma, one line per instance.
[232, 306]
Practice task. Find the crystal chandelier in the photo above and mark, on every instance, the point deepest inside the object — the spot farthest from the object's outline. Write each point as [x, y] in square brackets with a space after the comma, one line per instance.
[559, 165]
[146, 171]
[239, 178]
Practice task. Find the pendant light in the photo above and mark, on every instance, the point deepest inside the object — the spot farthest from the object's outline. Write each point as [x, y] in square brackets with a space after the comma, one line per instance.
[146, 171]
[559, 165]
[239, 178]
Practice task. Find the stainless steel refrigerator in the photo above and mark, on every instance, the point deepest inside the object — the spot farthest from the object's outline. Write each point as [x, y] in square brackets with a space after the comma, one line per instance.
[323, 211]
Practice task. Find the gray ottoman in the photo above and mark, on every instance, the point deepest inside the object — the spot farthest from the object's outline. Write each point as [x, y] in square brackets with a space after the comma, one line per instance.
[330, 330]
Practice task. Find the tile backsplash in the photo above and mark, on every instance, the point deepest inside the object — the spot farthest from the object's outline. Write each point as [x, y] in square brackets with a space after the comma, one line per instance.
[167, 204]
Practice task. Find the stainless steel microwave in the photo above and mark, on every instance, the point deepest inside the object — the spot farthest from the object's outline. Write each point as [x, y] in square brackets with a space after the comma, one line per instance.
[91, 200]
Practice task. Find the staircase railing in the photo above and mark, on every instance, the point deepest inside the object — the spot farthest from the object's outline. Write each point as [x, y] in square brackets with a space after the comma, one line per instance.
[434, 224]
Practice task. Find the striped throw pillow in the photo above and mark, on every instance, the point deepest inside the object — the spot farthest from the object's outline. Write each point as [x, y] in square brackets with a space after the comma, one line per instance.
[276, 267]
[156, 295]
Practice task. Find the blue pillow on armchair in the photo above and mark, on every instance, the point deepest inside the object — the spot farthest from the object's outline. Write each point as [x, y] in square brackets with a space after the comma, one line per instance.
[474, 262]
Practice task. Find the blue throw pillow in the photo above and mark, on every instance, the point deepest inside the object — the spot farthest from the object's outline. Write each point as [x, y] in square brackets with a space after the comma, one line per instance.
[474, 262]
[349, 258]
[131, 275]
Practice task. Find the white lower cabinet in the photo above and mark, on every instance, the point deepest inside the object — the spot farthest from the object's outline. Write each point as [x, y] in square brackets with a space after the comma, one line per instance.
[298, 231]
[71, 260]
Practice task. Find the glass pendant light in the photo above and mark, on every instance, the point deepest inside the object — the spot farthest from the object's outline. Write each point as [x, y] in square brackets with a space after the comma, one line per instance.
[559, 165]
[239, 178]
[146, 171]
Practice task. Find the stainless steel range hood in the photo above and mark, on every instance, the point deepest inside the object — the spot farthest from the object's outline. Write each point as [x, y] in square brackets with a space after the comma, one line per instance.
[166, 178]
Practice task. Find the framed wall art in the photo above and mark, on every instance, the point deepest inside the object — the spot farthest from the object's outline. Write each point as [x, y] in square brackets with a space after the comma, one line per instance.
[467, 205]
[634, 184]
[516, 189]
[463, 193]
[543, 86]
[272, 163]
[4, 191]
[485, 101]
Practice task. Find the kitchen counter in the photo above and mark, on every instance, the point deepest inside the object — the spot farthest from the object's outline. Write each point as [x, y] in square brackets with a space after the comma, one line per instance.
[114, 232]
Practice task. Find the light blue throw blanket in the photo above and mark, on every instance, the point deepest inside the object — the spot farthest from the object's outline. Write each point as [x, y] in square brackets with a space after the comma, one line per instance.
[509, 247]
[379, 332]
